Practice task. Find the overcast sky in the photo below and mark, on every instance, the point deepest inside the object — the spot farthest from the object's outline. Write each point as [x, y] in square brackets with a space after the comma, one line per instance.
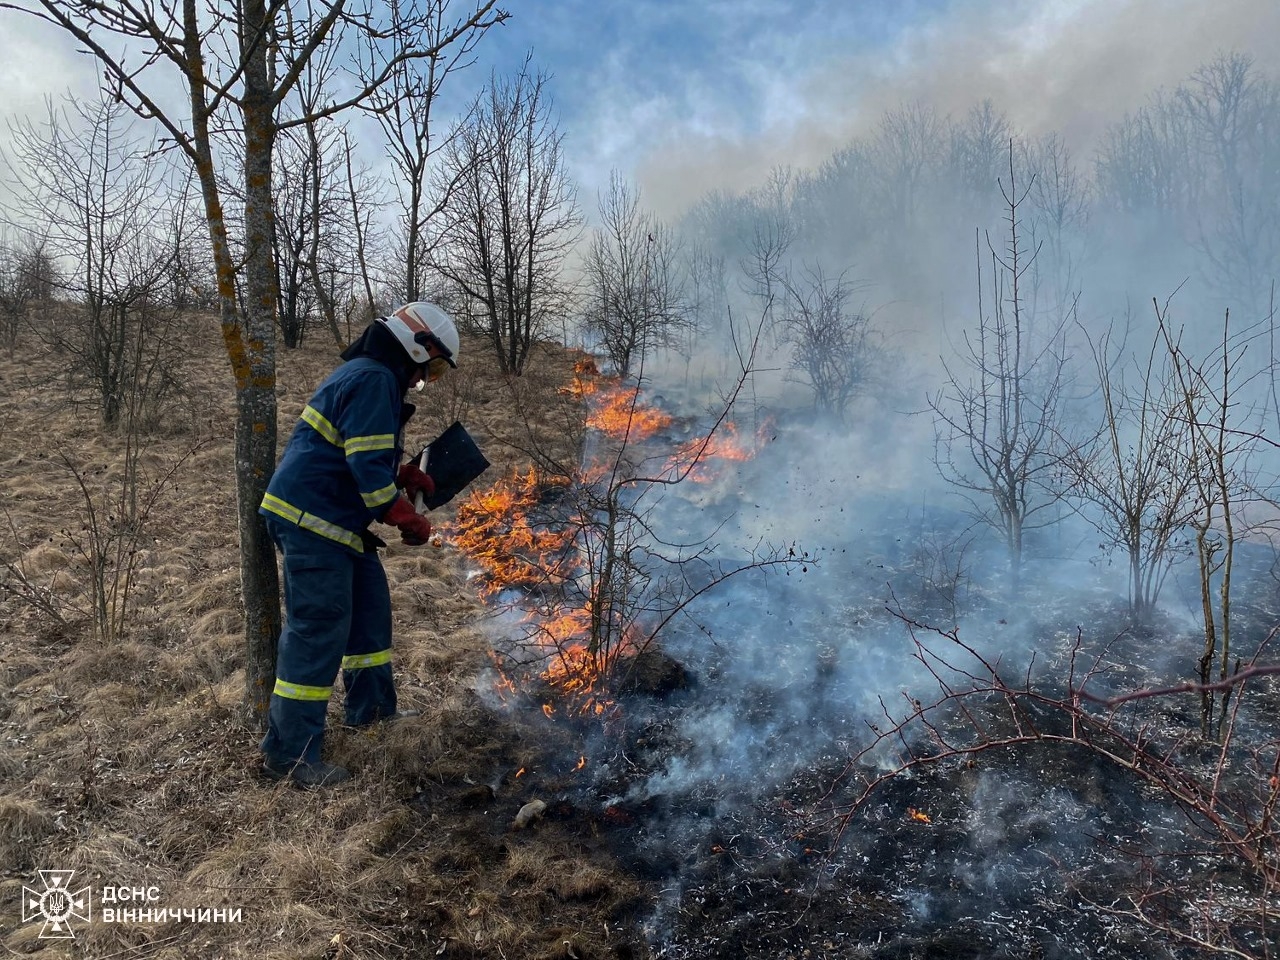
[683, 96]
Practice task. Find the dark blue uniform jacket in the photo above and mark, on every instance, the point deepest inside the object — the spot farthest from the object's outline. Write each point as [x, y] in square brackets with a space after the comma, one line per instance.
[338, 472]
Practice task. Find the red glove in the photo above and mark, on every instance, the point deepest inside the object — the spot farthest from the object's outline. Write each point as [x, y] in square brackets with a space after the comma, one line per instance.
[413, 481]
[415, 529]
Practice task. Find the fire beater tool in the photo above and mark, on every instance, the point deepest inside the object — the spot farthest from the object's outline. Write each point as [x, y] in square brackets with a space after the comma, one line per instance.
[453, 461]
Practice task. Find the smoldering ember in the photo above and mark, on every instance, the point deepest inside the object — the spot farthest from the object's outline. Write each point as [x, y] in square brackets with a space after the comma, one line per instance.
[870, 557]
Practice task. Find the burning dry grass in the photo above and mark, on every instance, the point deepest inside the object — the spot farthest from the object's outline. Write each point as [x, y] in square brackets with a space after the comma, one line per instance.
[131, 764]
[497, 528]
[545, 543]
[618, 413]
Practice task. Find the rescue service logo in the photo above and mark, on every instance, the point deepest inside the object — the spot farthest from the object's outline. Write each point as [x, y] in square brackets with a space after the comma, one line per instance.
[57, 906]
[60, 908]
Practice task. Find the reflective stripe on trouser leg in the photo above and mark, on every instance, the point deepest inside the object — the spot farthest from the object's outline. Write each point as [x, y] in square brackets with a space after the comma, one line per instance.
[317, 598]
[366, 669]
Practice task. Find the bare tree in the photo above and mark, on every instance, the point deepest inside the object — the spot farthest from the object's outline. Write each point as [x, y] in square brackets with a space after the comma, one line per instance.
[707, 285]
[1059, 215]
[906, 151]
[773, 234]
[296, 190]
[362, 225]
[835, 197]
[333, 234]
[633, 288]
[997, 418]
[319, 205]
[109, 210]
[834, 348]
[977, 156]
[1133, 478]
[236, 66]
[17, 291]
[1234, 116]
[404, 108]
[512, 217]
[1219, 439]
[1198, 165]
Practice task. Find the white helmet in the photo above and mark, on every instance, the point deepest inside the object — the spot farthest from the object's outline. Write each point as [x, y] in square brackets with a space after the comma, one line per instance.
[419, 325]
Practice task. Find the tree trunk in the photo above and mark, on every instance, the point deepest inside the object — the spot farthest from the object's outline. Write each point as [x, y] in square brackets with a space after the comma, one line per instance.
[255, 393]
[252, 358]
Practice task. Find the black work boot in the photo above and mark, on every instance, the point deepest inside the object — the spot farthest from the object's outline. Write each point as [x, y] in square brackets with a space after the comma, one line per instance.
[318, 774]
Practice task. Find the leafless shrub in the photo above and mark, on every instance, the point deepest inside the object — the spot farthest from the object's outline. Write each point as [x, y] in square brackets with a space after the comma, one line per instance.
[35, 589]
[835, 348]
[113, 528]
[942, 573]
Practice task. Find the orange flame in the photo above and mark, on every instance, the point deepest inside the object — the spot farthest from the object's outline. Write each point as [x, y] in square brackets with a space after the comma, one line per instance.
[584, 383]
[698, 456]
[494, 528]
[919, 816]
[620, 416]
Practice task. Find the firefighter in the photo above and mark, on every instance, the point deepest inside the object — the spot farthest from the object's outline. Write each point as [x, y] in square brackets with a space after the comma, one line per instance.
[341, 471]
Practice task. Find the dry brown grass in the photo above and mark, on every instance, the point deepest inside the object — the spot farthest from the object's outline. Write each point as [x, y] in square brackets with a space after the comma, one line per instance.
[131, 762]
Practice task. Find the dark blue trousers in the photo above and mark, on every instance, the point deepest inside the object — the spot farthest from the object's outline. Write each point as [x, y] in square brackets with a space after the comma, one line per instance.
[337, 617]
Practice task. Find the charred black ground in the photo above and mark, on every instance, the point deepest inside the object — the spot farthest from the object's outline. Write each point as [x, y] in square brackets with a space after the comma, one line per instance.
[1018, 852]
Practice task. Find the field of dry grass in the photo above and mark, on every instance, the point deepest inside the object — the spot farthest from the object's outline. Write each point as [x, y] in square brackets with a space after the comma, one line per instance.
[130, 762]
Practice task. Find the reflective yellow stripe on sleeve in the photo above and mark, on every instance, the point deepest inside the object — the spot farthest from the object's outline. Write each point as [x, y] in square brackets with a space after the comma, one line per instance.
[375, 441]
[312, 416]
[298, 691]
[379, 497]
[360, 661]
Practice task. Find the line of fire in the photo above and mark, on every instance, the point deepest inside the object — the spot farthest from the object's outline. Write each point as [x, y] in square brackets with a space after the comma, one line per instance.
[549, 547]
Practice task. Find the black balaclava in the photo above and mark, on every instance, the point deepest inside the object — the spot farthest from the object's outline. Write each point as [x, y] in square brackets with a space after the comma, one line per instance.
[379, 343]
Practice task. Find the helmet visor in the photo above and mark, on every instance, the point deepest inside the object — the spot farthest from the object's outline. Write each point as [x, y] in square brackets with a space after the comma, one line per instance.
[432, 342]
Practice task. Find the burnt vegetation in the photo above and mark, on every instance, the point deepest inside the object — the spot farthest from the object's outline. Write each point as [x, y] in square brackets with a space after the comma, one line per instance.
[716, 663]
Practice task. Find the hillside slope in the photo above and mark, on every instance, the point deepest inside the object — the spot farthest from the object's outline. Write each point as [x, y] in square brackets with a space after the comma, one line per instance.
[130, 763]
